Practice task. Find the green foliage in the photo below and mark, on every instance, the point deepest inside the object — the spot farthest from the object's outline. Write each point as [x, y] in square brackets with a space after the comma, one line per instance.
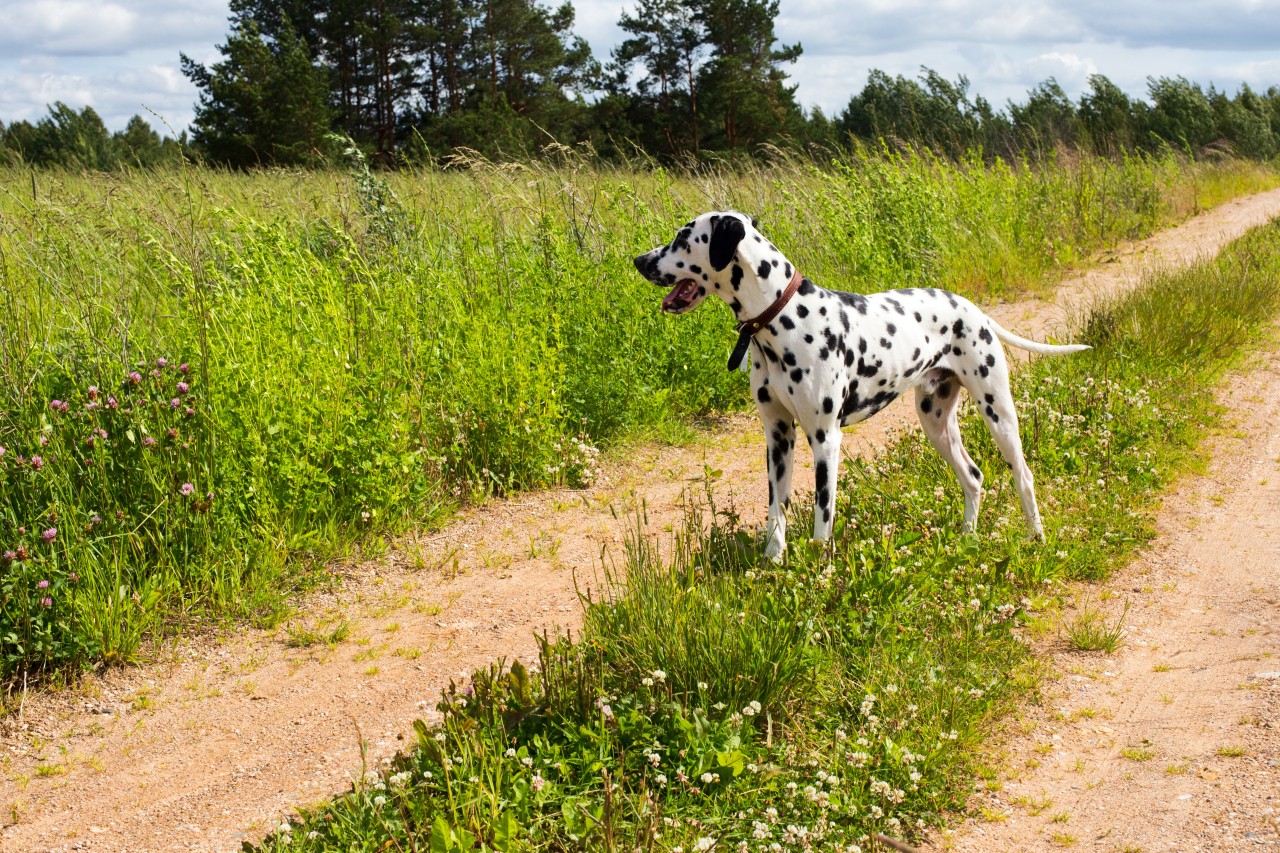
[358, 362]
[898, 641]
[79, 140]
[265, 103]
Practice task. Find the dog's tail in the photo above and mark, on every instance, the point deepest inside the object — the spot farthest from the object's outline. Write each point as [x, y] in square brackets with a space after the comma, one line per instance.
[1034, 346]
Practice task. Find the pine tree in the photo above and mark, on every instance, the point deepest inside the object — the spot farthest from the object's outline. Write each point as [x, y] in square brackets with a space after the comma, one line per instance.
[265, 103]
[743, 81]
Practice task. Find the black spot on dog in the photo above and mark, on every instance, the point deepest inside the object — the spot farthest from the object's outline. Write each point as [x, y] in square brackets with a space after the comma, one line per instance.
[865, 369]
[764, 269]
[694, 268]
[820, 436]
[990, 398]
[991, 413]
[848, 358]
[944, 390]
[862, 345]
[957, 328]
[853, 300]
[735, 277]
[736, 306]
[915, 355]
[806, 287]
[802, 311]
[789, 358]
[808, 339]
[975, 473]
[763, 395]
[787, 322]
[827, 405]
[926, 404]
[918, 317]
[983, 370]
[991, 360]
[797, 375]
[884, 342]
[891, 329]
[985, 335]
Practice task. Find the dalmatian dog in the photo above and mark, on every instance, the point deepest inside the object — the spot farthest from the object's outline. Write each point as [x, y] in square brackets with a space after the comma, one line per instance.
[828, 359]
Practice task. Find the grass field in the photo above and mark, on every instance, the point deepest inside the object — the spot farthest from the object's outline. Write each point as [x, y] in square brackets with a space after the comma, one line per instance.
[212, 383]
[716, 701]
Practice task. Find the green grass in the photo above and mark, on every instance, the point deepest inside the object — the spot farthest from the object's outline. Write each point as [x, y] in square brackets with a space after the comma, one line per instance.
[855, 685]
[257, 374]
[1091, 631]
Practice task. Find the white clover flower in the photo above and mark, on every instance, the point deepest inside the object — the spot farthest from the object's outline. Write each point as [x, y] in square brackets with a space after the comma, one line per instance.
[646, 681]
[704, 844]
[379, 800]
[659, 675]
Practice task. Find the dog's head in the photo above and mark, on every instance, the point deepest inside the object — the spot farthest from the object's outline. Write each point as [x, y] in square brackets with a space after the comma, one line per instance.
[695, 263]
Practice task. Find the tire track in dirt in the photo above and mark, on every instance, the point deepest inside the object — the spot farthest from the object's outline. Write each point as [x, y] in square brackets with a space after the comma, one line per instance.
[218, 737]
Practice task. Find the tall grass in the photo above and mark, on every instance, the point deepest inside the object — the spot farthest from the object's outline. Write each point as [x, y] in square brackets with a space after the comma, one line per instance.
[854, 685]
[253, 372]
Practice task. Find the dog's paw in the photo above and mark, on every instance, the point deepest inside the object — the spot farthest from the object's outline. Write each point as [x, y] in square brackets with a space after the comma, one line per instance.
[775, 549]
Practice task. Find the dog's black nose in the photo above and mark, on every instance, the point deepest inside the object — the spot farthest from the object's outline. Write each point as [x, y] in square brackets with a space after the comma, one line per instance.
[642, 262]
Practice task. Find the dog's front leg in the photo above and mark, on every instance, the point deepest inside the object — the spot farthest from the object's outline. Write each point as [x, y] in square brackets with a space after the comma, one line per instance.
[780, 435]
[825, 441]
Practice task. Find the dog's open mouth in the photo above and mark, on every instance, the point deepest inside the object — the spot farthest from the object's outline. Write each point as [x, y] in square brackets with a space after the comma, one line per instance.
[681, 297]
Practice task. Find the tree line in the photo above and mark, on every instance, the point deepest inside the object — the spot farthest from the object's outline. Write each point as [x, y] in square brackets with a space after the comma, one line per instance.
[416, 80]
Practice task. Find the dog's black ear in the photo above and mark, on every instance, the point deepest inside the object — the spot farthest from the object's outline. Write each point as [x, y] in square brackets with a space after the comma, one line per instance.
[726, 234]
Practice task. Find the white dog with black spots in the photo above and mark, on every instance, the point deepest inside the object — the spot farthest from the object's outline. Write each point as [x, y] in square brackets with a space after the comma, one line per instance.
[827, 359]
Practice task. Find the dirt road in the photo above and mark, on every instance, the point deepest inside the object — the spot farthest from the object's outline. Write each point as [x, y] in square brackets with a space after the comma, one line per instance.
[220, 736]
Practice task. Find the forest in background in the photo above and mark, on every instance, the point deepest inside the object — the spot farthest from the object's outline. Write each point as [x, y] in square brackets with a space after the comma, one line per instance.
[414, 81]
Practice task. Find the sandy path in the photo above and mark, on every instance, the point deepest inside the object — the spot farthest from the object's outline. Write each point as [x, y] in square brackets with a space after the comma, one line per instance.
[1173, 742]
[216, 739]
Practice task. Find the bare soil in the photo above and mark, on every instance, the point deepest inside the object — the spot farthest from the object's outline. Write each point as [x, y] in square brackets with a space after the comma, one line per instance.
[219, 737]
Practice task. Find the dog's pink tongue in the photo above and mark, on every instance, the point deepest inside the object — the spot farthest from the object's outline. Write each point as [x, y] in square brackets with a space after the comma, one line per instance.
[680, 294]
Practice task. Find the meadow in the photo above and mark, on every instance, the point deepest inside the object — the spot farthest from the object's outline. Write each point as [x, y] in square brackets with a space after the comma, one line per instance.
[717, 701]
[213, 384]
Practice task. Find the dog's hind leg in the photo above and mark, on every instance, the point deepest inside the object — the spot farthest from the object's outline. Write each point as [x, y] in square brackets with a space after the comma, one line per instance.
[936, 404]
[1002, 418]
[825, 441]
[780, 432]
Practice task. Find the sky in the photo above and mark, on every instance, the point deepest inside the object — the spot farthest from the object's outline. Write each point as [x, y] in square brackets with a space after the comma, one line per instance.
[121, 56]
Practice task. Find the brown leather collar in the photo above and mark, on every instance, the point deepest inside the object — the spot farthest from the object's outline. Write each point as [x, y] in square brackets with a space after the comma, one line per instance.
[748, 328]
